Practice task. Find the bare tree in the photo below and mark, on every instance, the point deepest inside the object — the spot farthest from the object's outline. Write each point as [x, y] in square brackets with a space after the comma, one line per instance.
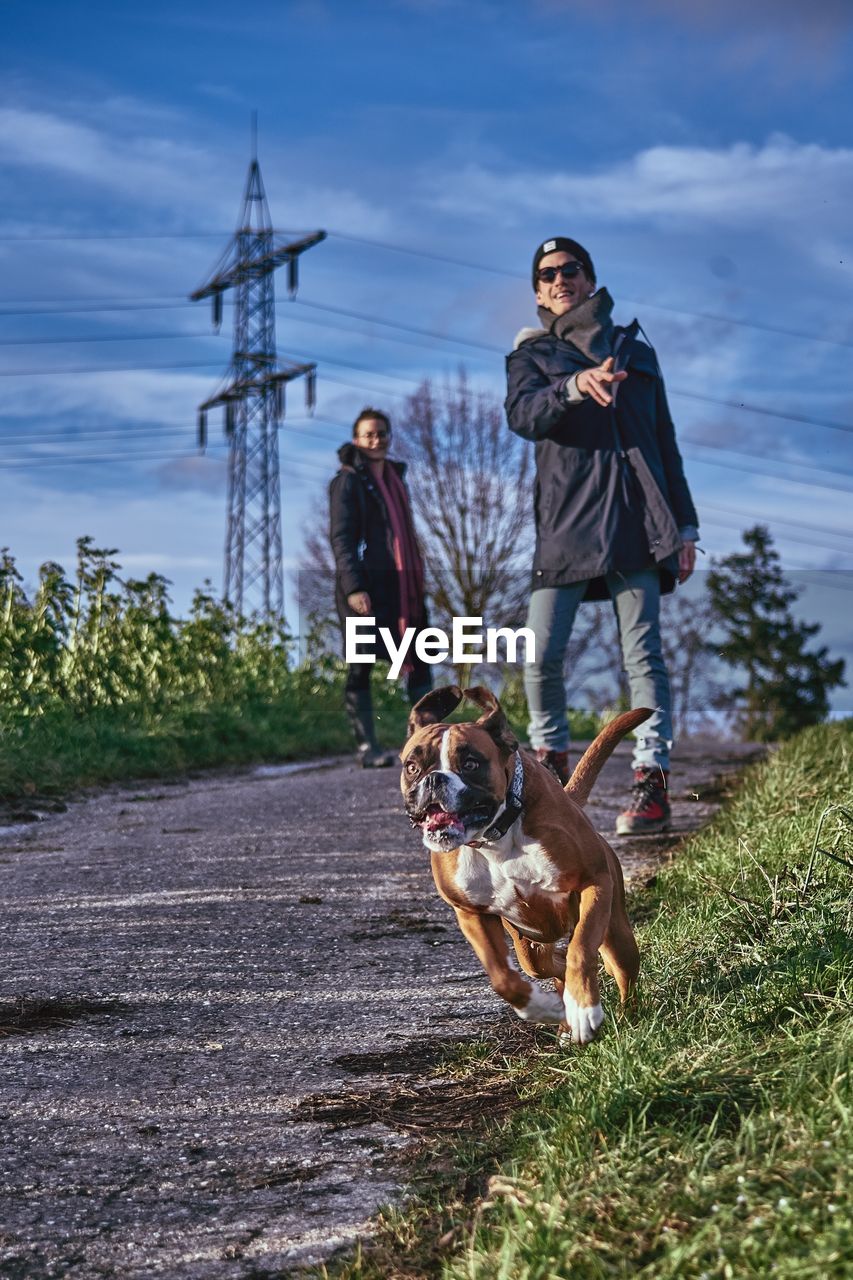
[317, 617]
[593, 668]
[695, 679]
[595, 677]
[469, 481]
[471, 496]
[470, 485]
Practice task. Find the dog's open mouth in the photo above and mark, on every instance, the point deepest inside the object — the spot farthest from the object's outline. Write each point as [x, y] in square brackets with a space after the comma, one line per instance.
[446, 824]
[437, 819]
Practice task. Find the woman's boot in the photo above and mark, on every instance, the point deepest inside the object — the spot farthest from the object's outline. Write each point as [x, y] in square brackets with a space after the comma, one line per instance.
[360, 712]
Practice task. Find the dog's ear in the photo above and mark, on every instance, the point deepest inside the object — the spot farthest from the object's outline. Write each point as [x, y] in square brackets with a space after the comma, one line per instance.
[493, 720]
[434, 707]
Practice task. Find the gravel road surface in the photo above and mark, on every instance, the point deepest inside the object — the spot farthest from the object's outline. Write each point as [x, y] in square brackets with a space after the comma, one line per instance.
[183, 965]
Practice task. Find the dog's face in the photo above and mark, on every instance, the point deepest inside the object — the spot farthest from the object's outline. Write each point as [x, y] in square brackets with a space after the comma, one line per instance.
[455, 777]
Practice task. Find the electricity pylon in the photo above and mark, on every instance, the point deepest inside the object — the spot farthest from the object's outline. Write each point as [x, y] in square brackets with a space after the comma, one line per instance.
[253, 400]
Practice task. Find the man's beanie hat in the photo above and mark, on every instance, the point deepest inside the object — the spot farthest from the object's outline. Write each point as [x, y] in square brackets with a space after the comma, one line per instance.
[562, 244]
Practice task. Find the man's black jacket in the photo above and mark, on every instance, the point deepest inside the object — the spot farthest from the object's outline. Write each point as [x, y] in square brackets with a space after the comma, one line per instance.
[610, 490]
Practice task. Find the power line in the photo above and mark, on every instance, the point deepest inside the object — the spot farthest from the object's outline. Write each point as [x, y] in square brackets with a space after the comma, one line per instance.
[304, 427]
[110, 368]
[48, 307]
[779, 462]
[105, 337]
[94, 433]
[741, 466]
[692, 395]
[721, 522]
[842, 574]
[152, 431]
[633, 302]
[155, 455]
[427, 255]
[385, 392]
[300, 466]
[139, 455]
[495, 350]
[39, 236]
[796, 524]
[770, 413]
[139, 432]
[821, 578]
[455, 339]
[415, 382]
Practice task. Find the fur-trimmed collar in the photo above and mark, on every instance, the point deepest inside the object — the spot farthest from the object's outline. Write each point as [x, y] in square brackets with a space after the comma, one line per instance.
[642, 357]
[527, 335]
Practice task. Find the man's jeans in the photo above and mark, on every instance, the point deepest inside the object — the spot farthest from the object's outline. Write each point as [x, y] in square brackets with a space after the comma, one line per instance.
[636, 602]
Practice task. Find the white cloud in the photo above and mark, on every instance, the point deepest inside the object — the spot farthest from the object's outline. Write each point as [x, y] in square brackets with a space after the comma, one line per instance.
[141, 396]
[181, 538]
[197, 471]
[154, 170]
[793, 38]
[188, 182]
[782, 183]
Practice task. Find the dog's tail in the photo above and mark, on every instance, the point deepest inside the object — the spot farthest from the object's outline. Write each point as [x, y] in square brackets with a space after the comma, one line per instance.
[589, 766]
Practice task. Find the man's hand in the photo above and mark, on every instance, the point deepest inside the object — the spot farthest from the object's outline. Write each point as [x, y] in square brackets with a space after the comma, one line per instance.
[686, 561]
[594, 382]
[359, 602]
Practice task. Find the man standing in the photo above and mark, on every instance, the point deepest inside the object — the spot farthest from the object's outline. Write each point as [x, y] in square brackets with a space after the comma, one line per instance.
[613, 511]
[378, 567]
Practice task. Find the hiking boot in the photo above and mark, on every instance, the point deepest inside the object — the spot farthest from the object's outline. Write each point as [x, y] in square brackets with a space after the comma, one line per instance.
[648, 809]
[556, 761]
[359, 709]
[375, 757]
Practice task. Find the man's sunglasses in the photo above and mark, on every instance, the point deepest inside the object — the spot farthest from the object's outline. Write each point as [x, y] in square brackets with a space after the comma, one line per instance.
[568, 270]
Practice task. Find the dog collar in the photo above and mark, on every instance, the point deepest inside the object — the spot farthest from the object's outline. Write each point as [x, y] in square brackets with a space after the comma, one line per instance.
[514, 807]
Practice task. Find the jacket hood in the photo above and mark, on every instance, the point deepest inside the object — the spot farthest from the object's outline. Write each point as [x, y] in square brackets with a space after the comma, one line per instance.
[351, 457]
[642, 355]
[525, 335]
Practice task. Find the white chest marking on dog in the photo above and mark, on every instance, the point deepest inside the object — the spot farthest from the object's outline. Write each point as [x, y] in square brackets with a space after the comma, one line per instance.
[497, 875]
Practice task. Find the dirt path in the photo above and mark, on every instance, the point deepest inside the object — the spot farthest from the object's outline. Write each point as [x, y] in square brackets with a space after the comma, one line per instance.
[183, 964]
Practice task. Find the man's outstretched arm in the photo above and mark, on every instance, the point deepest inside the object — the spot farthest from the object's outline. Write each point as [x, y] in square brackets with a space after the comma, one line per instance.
[535, 404]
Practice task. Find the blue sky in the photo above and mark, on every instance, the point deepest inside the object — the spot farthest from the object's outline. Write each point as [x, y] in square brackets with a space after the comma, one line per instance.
[701, 152]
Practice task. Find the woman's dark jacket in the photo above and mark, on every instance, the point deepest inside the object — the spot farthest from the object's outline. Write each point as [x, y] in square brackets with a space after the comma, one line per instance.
[610, 490]
[361, 540]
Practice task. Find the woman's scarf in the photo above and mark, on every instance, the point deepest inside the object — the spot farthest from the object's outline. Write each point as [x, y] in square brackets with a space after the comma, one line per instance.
[404, 545]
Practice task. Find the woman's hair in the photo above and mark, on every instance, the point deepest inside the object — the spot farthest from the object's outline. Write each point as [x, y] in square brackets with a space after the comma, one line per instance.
[367, 412]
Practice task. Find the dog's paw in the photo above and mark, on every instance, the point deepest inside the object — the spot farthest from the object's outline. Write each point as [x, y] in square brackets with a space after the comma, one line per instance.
[583, 1020]
[543, 1006]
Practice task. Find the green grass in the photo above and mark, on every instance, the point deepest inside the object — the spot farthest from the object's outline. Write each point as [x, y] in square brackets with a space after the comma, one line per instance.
[54, 753]
[99, 682]
[707, 1134]
[62, 749]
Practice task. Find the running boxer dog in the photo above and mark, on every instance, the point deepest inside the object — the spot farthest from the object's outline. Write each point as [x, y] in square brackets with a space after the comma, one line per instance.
[513, 850]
